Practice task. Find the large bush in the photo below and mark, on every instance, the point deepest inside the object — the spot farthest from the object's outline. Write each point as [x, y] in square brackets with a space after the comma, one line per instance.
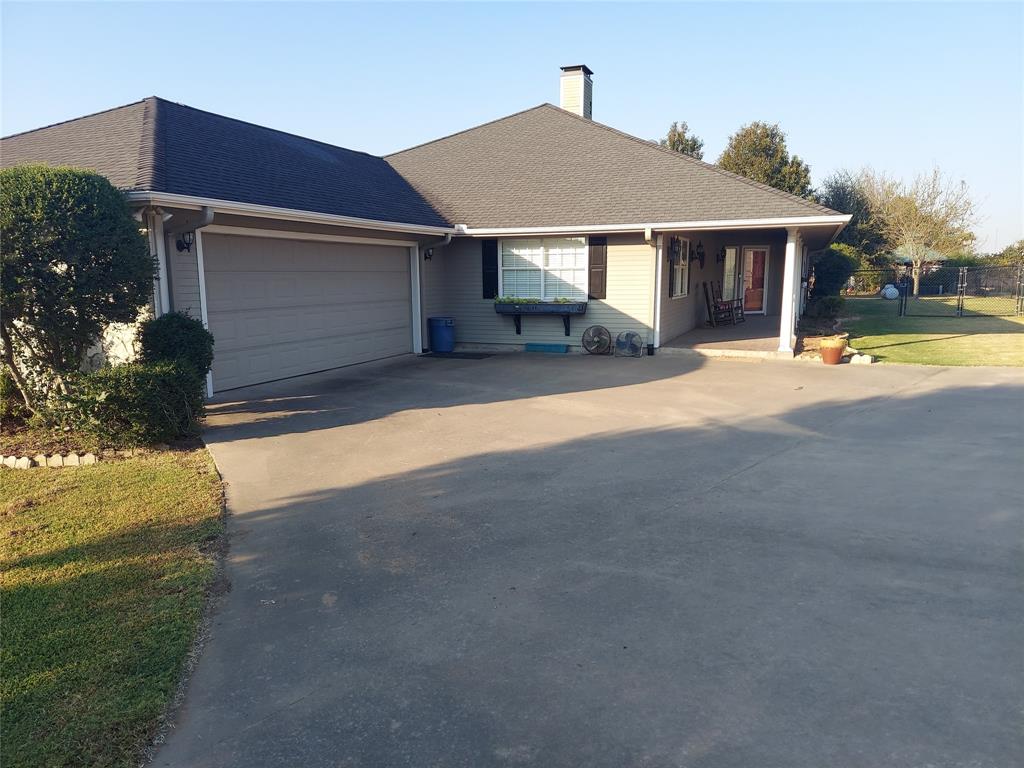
[137, 403]
[825, 307]
[832, 269]
[73, 261]
[176, 336]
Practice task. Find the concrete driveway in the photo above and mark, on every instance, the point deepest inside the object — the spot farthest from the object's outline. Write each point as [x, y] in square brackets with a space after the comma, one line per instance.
[578, 561]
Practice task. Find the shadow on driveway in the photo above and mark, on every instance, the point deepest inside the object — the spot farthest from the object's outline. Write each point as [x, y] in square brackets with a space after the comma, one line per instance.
[743, 565]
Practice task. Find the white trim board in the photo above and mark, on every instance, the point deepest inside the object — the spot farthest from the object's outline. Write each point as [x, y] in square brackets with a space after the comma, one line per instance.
[201, 266]
[268, 211]
[659, 250]
[415, 300]
[824, 220]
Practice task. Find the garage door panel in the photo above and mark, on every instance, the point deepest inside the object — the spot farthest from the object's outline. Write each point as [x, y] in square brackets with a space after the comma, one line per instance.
[280, 308]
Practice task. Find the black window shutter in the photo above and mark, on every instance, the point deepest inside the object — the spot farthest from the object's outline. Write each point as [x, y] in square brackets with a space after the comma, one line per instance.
[598, 260]
[489, 268]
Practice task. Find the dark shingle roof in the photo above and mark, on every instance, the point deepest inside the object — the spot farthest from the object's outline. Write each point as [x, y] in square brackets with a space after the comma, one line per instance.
[550, 167]
[160, 146]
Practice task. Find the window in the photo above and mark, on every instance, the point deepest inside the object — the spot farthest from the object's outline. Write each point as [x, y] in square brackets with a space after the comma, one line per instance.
[679, 267]
[544, 268]
[729, 274]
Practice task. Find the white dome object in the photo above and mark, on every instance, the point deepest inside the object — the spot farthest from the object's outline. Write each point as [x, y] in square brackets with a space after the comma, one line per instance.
[890, 292]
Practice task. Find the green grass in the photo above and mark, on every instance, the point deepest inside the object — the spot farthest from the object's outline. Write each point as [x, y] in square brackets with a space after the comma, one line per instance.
[876, 330]
[104, 586]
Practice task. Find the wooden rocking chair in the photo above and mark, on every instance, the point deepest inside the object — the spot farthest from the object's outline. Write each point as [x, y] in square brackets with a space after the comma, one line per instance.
[719, 313]
[736, 304]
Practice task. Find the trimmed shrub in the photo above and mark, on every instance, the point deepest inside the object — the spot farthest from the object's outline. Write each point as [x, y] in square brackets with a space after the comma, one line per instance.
[73, 262]
[177, 337]
[137, 403]
[825, 307]
[832, 269]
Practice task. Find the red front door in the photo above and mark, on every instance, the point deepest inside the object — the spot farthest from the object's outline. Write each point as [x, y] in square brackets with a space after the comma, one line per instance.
[755, 262]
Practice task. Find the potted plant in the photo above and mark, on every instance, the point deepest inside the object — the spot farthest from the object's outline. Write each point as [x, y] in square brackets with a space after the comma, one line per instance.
[832, 349]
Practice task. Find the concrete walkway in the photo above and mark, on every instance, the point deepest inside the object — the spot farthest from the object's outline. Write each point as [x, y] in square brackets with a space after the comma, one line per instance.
[578, 561]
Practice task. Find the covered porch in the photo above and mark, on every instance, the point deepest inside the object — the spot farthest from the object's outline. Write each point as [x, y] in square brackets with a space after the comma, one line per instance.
[757, 274]
[758, 336]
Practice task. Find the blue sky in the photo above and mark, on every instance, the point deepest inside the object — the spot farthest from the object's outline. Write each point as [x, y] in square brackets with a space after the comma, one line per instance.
[900, 87]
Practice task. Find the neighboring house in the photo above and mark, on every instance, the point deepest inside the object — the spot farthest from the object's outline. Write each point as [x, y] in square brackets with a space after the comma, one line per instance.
[301, 256]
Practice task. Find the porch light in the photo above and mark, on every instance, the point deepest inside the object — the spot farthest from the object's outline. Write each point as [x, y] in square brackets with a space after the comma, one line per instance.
[185, 241]
[720, 256]
[698, 254]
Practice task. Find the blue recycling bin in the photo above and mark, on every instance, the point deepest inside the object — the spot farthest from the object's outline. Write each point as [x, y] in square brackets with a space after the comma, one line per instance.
[442, 334]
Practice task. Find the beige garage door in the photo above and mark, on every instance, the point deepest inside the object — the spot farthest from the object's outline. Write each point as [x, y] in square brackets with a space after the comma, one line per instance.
[280, 308]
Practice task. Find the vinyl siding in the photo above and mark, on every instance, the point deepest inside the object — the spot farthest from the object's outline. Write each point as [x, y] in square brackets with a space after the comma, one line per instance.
[628, 305]
[684, 314]
[184, 279]
[680, 314]
[432, 289]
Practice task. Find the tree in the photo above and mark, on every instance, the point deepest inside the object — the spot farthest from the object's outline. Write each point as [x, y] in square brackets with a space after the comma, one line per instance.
[845, 192]
[758, 151]
[1012, 255]
[680, 140]
[73, 262]
[932, 213]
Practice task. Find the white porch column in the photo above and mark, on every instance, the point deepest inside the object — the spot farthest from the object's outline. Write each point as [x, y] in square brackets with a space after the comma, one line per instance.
[790, 286]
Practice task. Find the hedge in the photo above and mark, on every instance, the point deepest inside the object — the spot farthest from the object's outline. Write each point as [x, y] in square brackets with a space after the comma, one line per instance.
[137, 403]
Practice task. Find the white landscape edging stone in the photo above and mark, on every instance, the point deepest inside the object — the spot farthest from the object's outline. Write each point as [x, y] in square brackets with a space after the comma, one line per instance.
[56, 460]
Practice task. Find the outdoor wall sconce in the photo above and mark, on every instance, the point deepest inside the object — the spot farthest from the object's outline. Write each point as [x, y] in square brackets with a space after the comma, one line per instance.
[185, 241]
[720, 256]
[428, 254]
[698, 254]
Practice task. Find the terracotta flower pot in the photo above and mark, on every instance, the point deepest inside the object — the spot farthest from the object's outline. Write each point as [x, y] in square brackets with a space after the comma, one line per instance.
[832, 355]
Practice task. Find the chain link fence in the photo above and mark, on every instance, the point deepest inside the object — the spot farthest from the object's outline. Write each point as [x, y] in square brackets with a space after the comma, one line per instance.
[964, 292]
[945, 291]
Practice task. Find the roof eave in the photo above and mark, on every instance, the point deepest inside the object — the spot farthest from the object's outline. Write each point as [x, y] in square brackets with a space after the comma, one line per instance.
[143, 197]
[829, 220]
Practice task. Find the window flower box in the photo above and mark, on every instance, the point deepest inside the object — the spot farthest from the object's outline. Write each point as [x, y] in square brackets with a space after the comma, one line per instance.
[517, 308]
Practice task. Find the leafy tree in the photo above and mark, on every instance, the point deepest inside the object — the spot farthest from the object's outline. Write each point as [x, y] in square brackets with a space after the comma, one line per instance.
[1011, 255]
[845, 192]
[73, 262]
[932, 213]
[758, 151]
[680, 140]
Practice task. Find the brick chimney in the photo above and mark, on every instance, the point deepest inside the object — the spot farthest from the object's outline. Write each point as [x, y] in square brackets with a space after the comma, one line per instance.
[576, 91]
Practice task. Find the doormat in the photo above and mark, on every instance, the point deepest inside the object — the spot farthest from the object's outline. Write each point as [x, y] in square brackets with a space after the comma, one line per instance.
[459, 355]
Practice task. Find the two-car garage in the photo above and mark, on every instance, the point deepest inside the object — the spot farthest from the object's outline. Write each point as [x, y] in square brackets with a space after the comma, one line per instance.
[280, 307]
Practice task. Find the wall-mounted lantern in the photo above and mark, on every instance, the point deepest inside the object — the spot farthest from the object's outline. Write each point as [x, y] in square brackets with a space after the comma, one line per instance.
[185, 241]
[698, 254]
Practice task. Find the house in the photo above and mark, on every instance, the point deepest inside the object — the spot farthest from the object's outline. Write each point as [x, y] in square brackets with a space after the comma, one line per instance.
[301, 256]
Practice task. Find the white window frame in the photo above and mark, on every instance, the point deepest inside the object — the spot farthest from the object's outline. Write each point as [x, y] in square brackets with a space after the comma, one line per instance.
[733, 285]
[682, 269]
[544, 269]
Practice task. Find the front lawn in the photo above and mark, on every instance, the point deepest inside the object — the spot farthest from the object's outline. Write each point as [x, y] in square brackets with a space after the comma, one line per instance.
[876, 330]
[106, 572]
